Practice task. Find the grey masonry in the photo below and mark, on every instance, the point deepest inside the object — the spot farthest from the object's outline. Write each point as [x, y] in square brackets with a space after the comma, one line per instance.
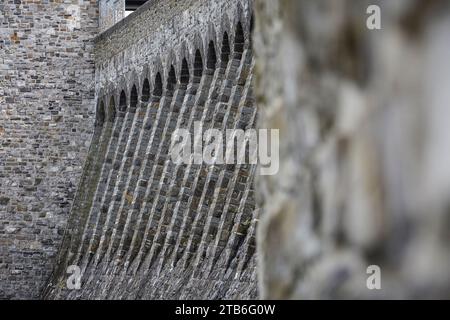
[47, 110]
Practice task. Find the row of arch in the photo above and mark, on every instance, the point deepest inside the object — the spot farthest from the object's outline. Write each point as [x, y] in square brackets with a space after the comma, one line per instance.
[107, 106]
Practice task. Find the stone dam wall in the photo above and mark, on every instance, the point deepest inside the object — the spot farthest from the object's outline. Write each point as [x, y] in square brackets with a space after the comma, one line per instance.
[47, 111]
[142, 226]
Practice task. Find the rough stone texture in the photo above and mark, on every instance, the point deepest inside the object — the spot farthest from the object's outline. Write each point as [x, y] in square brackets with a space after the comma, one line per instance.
[111, 12]
[142, 226]
[364, 175]
[46, 120]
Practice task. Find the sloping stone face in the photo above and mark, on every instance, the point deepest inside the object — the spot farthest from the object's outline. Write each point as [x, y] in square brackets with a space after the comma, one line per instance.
[363, 118]
[364, 175]
[142, 226]
[47, 110]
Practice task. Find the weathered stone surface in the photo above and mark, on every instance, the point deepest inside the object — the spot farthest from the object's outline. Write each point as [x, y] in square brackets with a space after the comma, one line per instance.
[142, 226]
[364, 176]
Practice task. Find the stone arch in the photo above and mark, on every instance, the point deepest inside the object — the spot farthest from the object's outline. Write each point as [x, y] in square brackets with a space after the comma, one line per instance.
[157, 68]
[145, 84]
[183, 51]
[133, 80]
[242, 16]
[184, 61]
[198, 47]
[224, 37]
[171, 61]
[211, 58]
[211, 36]
[225, 26]
[170, 69]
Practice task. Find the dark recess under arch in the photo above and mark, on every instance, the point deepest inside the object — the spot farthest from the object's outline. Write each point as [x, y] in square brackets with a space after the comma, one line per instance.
[172, 79]
[133, 97]
[123, 102]
[198, 64]
[211, 58]
[184, 78]
[225, 53]
[239, 41]
[111, 110]
[157, 91]
[100, 119]
[146, 91]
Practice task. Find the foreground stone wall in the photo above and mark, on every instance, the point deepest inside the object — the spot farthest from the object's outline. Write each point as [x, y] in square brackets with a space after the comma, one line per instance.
[142, 226]
[364, 175]
[46, 120]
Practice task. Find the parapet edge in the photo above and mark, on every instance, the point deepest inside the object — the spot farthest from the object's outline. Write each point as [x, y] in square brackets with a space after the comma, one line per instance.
[125, 21]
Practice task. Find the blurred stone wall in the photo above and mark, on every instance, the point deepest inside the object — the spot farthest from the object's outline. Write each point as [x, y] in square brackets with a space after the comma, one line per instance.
[365, 151]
